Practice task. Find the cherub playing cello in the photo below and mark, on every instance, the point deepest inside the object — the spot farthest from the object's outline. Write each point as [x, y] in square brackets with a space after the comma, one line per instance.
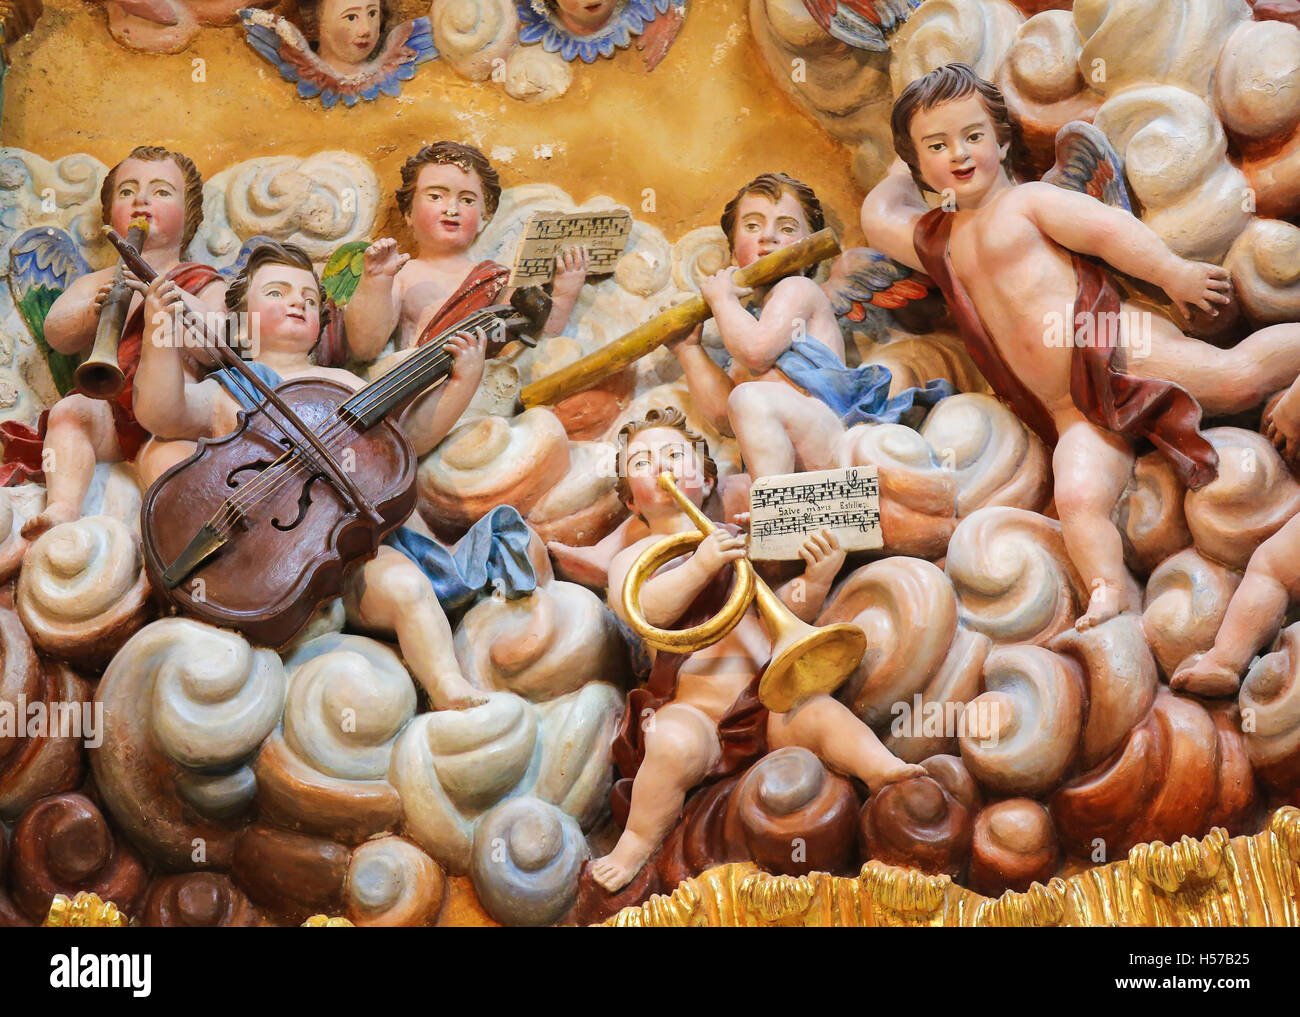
[401, 590]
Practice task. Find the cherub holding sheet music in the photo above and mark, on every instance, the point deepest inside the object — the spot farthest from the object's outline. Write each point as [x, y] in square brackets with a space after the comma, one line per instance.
[698, 716]
[449, 193]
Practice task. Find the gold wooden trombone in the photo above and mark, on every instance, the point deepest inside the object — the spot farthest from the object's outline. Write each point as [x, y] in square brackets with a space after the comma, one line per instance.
[806, 659]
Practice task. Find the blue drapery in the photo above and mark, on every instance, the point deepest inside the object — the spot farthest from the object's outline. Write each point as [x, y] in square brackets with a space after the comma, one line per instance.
[859, 395]
[493, 554]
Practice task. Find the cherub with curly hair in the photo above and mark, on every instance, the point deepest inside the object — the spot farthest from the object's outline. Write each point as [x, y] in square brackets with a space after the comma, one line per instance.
[698, 716]
[1010, 256]
[449, 193]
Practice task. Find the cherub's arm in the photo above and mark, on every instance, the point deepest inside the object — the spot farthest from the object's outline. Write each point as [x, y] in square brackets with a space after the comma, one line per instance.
[166, 403]
[708, 383]
[72, 319]
[890, 212]
[805, 595]
[434, 412]
[375, 308]
[756, 344]
[666, 595]
[1079, 222]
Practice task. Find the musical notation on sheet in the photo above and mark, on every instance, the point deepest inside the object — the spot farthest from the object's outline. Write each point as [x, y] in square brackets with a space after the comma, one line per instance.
[785, 510]
[604, 234]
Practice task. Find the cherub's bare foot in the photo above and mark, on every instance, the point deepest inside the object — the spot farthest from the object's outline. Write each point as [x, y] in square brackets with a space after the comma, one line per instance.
[54, 514]
[616, 869]
[1205, 674]
[1106, 602]
[453, 692]
[891, 772]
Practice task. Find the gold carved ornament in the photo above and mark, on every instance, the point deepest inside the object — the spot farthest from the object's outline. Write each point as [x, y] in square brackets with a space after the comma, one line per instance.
[1216, 881]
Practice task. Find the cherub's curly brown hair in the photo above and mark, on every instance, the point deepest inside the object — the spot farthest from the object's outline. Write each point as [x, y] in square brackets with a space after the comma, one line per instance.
[950, 83]
[450, 153]
[670, 417]
[189, 174]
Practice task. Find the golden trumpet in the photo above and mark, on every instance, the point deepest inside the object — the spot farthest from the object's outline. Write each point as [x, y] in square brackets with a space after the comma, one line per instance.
[806, 660]
[99, 376]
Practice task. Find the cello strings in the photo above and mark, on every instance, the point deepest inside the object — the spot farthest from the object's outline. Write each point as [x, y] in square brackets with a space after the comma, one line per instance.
[288, 466]
[425, 363]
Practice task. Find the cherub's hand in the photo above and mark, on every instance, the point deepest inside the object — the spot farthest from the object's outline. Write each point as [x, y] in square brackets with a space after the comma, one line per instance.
[1282, 426]
[822, 556]
[101, 294]
[382, 259]
[570, 272]
[718, 550]
[722, 285]
[162, 301]
[1198, 284]
[468, 352]
[692, 338]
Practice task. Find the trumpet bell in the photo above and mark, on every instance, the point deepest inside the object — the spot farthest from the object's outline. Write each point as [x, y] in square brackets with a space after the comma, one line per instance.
[810, 663]
[99, 379]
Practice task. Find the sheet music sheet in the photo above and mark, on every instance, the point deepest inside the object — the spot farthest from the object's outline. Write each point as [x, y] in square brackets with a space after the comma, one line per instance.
[604, 234]
[784, 510]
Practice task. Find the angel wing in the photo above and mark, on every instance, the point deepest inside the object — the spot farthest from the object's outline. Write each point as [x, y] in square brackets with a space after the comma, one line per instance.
[661, 33]
[241, 259]
[1086, 161]
[863, 24]
[862, 276]
[406, 47]
[339, 281]
[343, 271]
[43, 262]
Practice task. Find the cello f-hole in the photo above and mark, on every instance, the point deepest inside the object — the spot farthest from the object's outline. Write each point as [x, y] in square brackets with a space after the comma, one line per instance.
[304, 503]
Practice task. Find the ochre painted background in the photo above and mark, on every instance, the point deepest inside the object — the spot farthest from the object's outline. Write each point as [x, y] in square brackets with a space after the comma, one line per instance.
[707, 119]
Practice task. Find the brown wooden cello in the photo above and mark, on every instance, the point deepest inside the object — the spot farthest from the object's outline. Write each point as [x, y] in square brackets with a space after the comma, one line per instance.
[257, 528]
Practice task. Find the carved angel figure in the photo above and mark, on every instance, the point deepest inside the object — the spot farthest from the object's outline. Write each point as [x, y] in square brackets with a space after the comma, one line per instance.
[346, 50]
[587, 29]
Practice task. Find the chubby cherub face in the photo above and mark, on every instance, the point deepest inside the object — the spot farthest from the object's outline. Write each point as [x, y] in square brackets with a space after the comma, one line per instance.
[349, 30]
[446, 208]
[658, 450]
[957, 149]
[284, 301]
[155, 189]
[764, 226]
[585, 16]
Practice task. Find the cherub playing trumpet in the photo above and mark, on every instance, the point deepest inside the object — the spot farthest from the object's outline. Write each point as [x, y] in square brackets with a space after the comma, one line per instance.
[699, 716]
